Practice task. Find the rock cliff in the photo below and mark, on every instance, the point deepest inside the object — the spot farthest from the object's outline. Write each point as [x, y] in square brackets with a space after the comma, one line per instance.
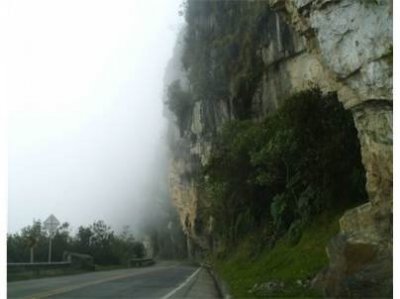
[265, 52]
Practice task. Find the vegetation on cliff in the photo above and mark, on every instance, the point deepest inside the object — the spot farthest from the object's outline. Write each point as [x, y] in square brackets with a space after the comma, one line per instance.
[280, 173]
[283, 270]
[180, 102]
[220, 50]
[275, 182]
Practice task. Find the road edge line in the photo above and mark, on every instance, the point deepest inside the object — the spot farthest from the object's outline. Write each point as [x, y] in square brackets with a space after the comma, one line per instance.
[182, 284]
[220, 284]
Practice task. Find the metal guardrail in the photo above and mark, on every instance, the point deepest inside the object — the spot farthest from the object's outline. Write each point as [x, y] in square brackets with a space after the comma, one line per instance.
[141, 262]
[36, 267]
[37, 264]
[71, 263]
[16, 271]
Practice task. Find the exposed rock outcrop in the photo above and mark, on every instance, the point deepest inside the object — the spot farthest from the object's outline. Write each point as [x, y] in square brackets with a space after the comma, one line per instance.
[353, 41]
[344, 46]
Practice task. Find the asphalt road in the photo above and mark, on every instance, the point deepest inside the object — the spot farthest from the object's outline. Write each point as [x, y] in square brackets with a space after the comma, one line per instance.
[157, 281]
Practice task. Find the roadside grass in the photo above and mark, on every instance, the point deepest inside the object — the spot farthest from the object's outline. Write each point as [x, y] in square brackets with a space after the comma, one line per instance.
[284, 263]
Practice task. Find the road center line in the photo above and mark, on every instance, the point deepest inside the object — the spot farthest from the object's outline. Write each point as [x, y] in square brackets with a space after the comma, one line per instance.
[79, 286]
[182, 284]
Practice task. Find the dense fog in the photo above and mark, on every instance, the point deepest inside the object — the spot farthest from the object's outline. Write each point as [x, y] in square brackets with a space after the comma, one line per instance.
[86, 128]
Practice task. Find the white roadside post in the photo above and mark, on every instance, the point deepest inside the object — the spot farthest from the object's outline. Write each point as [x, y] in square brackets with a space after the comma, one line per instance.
[51, 225]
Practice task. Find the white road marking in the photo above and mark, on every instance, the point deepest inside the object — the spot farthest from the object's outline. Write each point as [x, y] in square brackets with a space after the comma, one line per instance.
[65, 289]
[79, 286]
[182, 284]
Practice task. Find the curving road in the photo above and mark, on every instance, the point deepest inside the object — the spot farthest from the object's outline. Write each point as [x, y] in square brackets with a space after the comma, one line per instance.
[164, 280]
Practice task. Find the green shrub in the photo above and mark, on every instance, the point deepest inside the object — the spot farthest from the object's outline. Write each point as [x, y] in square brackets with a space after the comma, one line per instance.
[295, 232]
[289, 168]
[284, 262]
[180, 102]
[221, 43]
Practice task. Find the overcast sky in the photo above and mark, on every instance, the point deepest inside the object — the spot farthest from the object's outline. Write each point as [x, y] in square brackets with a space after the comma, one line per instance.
[84, 83]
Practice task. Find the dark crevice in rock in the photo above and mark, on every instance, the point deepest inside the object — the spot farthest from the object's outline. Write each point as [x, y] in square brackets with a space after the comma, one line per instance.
[386, 104]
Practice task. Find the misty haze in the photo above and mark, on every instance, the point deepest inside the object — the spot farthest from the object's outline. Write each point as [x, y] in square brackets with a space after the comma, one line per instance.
[87, 131]
[200, 149]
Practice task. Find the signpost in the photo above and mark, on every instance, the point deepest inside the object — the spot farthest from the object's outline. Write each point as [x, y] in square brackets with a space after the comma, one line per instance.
[51, 225]
[32, 242]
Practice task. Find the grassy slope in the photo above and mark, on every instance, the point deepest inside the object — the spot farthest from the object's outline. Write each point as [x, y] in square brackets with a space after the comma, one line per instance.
[282, 263]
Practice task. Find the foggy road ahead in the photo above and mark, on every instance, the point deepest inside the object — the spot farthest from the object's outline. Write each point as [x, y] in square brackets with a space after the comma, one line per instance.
[159, 281]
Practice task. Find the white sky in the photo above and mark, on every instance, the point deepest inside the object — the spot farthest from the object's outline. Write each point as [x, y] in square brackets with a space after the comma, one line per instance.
[84, 86]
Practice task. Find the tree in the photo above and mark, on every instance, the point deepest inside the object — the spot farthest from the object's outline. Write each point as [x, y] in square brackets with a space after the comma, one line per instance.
[180, 102]
[62, 241]
[298, 162]
[31, 241]
[97, 240]
[138, 250]
[36, 239]
[82, 240]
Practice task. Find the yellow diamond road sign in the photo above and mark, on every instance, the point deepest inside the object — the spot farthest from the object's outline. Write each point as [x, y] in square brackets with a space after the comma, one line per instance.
[51, 224]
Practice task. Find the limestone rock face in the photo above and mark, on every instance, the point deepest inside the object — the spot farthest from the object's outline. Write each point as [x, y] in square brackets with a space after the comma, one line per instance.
[374, 121]
[354, 38]
[357, 269]
[353, 42]
[342, 46]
